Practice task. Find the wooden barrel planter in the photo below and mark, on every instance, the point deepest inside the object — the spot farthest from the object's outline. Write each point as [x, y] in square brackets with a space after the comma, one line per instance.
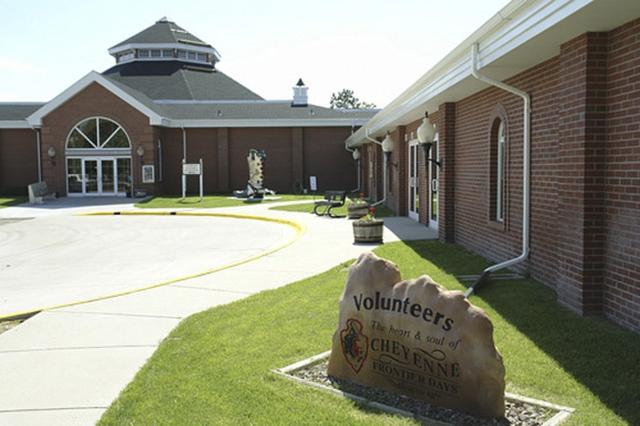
[356, 211]
[368, 231]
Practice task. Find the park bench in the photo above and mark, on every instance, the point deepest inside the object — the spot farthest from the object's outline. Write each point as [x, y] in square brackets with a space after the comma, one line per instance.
[38, 192]
[332, 200]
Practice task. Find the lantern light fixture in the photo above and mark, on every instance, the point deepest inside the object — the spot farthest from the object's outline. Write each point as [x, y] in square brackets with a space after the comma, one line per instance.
[356, 154]
[426, 137]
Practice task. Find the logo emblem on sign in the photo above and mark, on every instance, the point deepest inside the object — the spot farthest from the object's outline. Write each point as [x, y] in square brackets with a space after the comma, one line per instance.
[355, 345]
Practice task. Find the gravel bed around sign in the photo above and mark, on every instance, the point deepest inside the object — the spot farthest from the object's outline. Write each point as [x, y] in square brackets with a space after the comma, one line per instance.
[516, 413]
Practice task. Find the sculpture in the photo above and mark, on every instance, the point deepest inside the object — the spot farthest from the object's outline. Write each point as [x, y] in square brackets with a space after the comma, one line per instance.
[254, 190]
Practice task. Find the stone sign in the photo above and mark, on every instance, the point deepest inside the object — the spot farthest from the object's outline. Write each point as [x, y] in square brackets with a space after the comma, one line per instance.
[415, 338]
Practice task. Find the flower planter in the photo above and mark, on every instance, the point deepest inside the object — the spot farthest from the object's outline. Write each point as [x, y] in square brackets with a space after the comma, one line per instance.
[368, 231]
[356, 211]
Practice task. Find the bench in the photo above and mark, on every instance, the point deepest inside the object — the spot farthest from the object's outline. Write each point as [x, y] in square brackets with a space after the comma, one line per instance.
[38, 192]
[332, 200]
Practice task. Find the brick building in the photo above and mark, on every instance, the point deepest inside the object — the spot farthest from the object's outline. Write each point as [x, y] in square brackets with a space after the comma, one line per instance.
[165, 101]
[576, 220]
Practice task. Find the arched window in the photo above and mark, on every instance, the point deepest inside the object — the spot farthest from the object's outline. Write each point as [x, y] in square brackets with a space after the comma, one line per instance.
[497, 172]
[98, 133]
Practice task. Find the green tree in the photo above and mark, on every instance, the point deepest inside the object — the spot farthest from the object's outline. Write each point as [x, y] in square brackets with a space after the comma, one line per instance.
[345, 99]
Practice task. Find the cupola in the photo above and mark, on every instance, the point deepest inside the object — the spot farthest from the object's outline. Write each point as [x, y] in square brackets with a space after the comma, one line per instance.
[165, 41]
[300, 97]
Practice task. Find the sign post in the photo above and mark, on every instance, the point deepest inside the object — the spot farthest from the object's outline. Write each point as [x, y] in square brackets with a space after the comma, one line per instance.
[192, 169]
[313, 183]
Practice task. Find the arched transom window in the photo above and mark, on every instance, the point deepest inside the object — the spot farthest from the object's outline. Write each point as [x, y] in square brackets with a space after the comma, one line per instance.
[98, 133]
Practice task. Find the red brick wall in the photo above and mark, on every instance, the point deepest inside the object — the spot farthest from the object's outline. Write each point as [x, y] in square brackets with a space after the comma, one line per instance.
[293, 154]
[473, 117]
[622, 178]
[94, 100]
[18, 160]
[326, 158]
[582, 137]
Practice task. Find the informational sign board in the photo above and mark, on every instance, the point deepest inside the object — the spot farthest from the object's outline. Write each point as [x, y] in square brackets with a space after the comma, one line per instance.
[196, 169]
[313, 183]
[148, 173]
[191, 169]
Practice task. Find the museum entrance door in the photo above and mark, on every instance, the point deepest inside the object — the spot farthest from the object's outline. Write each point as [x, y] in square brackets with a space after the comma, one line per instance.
[98, 176]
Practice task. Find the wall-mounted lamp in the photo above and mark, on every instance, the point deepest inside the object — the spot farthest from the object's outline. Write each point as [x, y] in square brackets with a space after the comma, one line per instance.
[356, 154]
[426, 136]
[140, 152]
[387, 145]
[51, 152]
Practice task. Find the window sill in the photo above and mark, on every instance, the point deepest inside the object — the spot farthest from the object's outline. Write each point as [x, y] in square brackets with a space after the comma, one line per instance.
[498, 226]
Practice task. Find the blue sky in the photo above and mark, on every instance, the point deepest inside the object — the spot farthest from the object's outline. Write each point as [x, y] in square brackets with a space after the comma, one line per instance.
[377, 48]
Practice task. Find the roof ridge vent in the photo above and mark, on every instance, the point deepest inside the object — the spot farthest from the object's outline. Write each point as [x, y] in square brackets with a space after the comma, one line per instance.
[163, 20]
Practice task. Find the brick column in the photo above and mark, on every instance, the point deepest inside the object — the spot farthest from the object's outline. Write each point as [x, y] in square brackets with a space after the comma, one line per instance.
[297, 155]
[398, 173]
[223, 159]
[581, 152]
[446, 191]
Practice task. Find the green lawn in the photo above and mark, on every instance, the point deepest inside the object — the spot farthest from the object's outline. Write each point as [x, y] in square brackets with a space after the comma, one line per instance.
[12, 200]
[381, 211]
[212, 201]
[215, 366]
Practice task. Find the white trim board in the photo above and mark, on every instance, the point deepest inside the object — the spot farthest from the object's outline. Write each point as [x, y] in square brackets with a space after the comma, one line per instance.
[15, 124]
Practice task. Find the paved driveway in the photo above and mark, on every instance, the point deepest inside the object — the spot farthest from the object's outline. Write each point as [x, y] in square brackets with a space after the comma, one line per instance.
[58, 259]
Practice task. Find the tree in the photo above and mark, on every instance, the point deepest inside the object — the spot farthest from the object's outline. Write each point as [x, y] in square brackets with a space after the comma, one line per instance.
[345, 99]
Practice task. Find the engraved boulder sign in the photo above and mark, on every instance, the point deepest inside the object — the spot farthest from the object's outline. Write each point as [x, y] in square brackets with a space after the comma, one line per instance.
[417, 339]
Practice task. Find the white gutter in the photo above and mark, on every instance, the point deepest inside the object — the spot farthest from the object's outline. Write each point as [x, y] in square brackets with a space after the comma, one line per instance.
[526, 135]
[384, 170]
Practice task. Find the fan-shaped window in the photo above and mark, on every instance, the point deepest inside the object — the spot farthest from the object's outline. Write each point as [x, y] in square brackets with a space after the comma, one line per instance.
[98, 133]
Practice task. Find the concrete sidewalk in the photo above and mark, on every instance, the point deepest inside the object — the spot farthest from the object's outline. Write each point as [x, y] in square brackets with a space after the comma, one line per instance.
[66, 366]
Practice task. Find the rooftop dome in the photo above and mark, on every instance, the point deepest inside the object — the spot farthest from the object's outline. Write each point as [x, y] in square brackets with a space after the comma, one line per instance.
[165, 41]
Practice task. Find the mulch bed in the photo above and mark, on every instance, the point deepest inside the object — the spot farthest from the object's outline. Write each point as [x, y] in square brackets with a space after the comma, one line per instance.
[516, 413]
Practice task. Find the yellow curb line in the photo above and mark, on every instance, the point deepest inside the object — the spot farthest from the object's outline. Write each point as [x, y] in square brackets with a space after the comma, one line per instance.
[299, 228]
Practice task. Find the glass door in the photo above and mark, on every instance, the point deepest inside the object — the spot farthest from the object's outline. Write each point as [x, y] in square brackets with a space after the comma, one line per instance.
[75, 182]
[96, 176]
[107, 177]
[433, 184]
[414, 193]
[123, 175]
[91, 177]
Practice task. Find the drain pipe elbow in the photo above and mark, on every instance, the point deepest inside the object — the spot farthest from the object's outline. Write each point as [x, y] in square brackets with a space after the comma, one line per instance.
[526, 165]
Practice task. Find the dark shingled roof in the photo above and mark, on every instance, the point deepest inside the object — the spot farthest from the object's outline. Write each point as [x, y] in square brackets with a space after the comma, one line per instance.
[258, 110]
[164, 31]
[17, 111]
[178, 80]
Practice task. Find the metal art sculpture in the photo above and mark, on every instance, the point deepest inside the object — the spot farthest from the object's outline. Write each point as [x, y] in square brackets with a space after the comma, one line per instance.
[254, 190]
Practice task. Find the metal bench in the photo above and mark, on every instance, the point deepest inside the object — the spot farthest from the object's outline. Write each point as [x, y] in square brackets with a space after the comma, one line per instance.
[332, 200]
[38, 192]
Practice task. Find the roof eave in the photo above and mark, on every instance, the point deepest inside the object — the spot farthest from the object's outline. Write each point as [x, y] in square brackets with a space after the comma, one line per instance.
[517, 23]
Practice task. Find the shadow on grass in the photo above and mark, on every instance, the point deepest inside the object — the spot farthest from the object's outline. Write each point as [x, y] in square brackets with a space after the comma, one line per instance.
[595, 352]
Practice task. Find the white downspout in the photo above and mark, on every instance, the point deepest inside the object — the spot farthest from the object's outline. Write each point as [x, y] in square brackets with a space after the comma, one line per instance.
[526, 135]
[384, 170]
[184, 160]
[38, 154]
